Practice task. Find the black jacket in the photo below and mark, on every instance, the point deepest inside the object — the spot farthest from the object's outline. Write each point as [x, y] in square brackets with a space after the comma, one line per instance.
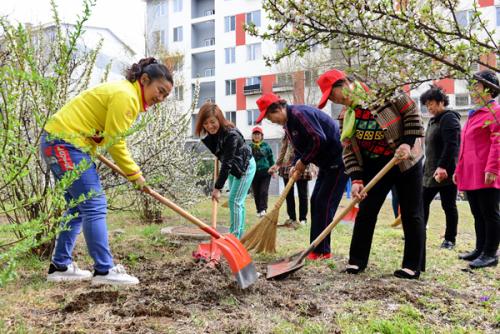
[229, 146]
[442, 142]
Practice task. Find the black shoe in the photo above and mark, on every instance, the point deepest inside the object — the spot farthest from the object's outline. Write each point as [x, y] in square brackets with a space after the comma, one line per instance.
[447, 244]
[470, 256]
[484, 261]
[403, 274]
[353, 271]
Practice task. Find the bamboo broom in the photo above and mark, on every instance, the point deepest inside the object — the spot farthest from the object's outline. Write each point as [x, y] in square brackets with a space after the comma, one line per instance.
[262, 236]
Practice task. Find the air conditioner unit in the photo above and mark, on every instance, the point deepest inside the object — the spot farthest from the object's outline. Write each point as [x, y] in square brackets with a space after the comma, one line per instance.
[210, 12]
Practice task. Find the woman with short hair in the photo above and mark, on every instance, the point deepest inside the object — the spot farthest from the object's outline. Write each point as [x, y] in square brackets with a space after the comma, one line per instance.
[442, 141]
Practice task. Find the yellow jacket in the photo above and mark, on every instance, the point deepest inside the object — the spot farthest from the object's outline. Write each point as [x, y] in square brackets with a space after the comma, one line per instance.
[101, 116]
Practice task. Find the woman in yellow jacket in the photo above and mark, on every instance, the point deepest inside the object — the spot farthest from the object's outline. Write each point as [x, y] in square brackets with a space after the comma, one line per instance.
[98, 117]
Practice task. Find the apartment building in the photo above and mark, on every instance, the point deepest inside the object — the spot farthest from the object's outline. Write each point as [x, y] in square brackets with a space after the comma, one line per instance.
[226, 61]
[229, 65]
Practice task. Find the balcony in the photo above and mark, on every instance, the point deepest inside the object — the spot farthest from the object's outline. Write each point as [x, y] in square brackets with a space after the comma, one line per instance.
[202, 8]
[252, 89]
[203, 35]
[282, 87]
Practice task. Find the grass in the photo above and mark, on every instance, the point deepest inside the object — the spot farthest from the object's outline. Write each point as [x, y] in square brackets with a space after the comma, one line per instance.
[446, 299]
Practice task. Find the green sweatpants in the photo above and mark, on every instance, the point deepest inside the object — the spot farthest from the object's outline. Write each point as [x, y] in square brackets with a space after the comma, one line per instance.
[238, 192]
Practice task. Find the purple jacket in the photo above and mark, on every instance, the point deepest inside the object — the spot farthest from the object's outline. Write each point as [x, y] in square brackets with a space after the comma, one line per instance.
[480, 149]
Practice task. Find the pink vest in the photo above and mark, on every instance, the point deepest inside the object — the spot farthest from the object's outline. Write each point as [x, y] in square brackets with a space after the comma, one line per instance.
[480, 149]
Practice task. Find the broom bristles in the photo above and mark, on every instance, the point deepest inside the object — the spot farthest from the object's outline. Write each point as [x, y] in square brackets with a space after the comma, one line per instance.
[262, 236]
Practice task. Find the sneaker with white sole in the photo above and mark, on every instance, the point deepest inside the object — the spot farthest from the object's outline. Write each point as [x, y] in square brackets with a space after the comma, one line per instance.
[71, 272]
[115, 276]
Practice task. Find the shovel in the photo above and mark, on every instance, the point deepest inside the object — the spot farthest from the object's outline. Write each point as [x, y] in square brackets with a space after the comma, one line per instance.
[236, 255]
[209, 252]
[288, 265]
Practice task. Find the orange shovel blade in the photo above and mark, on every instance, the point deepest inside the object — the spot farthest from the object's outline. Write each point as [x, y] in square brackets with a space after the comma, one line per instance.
[239, 260]
[207, 252]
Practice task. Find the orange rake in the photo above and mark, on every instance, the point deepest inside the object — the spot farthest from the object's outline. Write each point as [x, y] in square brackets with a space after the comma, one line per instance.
[235, 253]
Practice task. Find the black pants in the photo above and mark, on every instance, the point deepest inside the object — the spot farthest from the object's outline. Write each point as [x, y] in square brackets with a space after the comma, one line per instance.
[409, 190]
[325, 200]
[484, 204]
[448, 196]
[290, 200]
[260, 189]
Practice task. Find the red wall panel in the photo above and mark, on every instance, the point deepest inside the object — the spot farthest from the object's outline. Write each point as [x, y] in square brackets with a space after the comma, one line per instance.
[486, 3]
[240, 32]
[447, 84]
[241, 99]
[267, 83]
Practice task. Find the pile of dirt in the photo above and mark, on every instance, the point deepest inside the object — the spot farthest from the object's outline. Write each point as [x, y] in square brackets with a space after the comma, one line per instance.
[189, 297]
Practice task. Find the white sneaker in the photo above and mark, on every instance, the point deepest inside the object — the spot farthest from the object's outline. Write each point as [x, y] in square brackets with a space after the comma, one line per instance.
[302, 223]
[70, 273]
[115, 276]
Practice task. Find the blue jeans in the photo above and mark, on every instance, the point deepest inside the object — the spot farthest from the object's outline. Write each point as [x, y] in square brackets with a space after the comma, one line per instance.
[61, 157]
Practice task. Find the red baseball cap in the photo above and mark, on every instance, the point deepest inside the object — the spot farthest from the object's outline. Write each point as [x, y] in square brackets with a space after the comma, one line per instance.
[264, 102]
[257, 129]
[325, 83]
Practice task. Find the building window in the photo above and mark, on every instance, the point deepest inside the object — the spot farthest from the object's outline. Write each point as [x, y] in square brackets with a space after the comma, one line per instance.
[461, 100]
[178, 66]
[230, 55]
[177, 5]
[160, 9]
[159, 37]
[498, 16]
[252, 116]
[252, 81]
[254, 17]
[464, 17]
[178, 34]
[231, 116]
[193, 124]
[229, 23]
[230, 87]
[280, 46]
[474, 67]
[253, 51]
[179, 93]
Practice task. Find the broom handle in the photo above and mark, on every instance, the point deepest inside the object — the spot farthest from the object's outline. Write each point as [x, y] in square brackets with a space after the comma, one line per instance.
[346, 210]
[166, 202]
[285, 192]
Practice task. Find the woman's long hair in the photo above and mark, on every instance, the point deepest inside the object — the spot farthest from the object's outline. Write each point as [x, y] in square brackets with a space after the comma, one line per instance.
[207, 110]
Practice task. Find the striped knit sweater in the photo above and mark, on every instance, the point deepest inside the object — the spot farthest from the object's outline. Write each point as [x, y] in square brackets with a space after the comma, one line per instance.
[400, 121]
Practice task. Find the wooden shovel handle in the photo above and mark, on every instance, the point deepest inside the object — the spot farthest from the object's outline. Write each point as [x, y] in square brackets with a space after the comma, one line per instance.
[351, 205]
[214, 202]
[165, 201]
